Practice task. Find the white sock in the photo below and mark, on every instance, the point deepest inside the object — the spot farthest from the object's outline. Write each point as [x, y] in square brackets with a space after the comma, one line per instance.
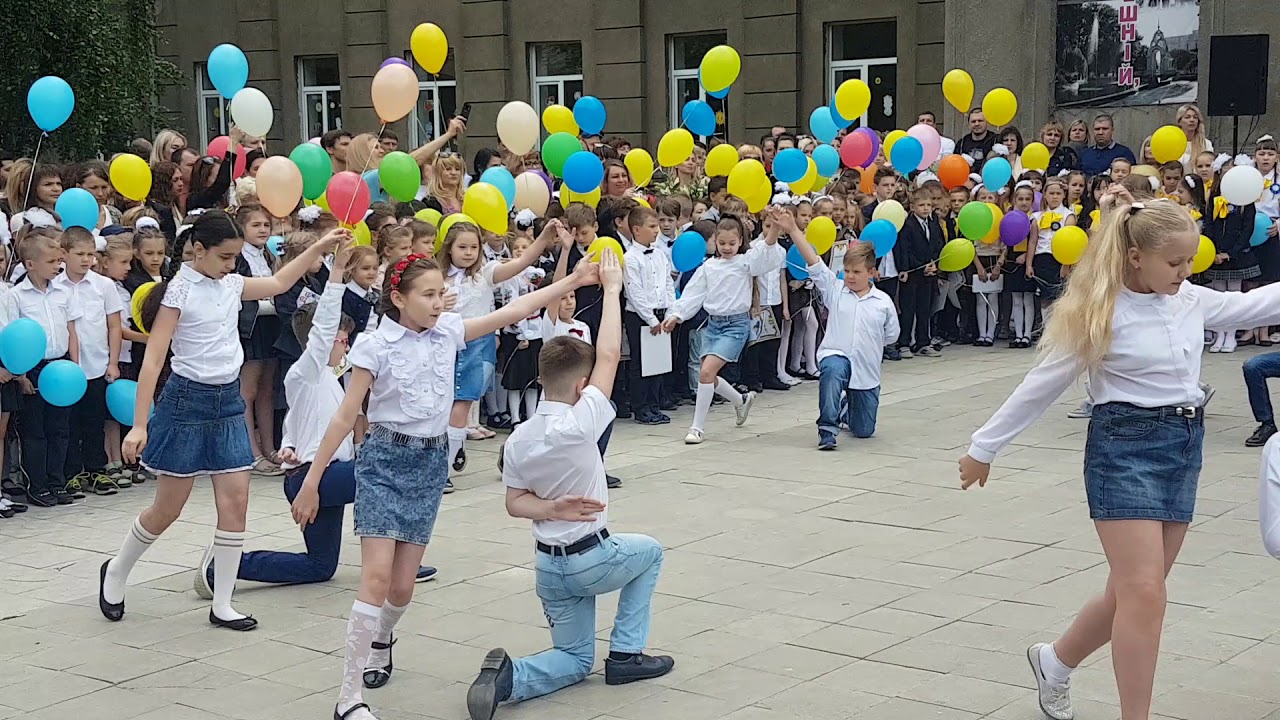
[1019, 330]
[702, 406]
[387, 619]
[1055, 671]
[457, 440]
[1028, 313]
[360, 630]
[513, 406]
[227, 548]
[473, 415]
[726, 391]
[136, 542]
[530, 403]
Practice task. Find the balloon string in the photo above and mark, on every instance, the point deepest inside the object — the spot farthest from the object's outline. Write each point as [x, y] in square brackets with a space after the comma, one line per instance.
[367, 160]
[34, 160]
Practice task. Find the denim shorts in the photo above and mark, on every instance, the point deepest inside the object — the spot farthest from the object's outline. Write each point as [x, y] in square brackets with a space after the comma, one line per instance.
[399, 482]
[726, 335]
[197, 429]
[1142, 463]
[474, 368]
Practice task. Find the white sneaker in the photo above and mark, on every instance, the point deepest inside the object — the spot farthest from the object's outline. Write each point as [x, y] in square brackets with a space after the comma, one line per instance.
[1055, 700]
[200, 583]
[787, 379]
[693, 438]
[744, 409]
[1084, 411]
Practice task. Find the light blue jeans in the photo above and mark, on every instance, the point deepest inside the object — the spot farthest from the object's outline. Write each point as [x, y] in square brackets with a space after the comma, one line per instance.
[568, 586]
[836, 401]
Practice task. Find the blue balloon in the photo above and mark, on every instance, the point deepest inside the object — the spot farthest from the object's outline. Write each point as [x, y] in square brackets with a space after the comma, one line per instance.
[589, 113]
[77, 208]
[275, 244]
[502, 179]
[583, 172]
[228, 70]
[827, 158]
[22, 345]
[50, 102]
[906, 154]
[1261, 224]
[121, 396]
[699, 118]
[790, 165]
[62, 383]
[375, 186]
[823, 125]
[796, 264]
[688, 251]
[719, 95]
[835, 114]
[882, 235]
[996, 173]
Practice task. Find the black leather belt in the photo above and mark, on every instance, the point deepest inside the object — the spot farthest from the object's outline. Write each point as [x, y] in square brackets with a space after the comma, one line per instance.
[581, 546]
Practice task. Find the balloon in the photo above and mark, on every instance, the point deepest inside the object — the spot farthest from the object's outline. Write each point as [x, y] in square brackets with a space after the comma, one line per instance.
[806, 183]
[840, 121]
[518, 127]
[856, 149]
[121, 396]
[583, 171]
[688, 251]
[559, 119]
[228, 72]
[321, 202]
[252, 112]
[400, 177]
[796, 265]
[395, 92]
[956, 255]
[640, 164]
[822, 125]
[219, 146]
[316, 168]
[996, 173]
[135, 305]
[997, 217]
[957, 87]
[930, 142]
[827, 159]
[821, 234]
[600, 245]
[953, 172]
[892, 211]
[429, 215]
[348, 197]
[556, 149]
[279, 186]
[77, 208]
[907, 154]
[448, 222]
[1204, 255]
[531, 193]
[789, 165]
[1242, 185]
[698, 116]
[852, 99]
[393, 60]
[744, 179]
[275, 244]
[718, 94]
[131, 176]
[589, 113]
[867, 179]
[1069, 244]
[674, 148]
[1000, 105]
[882, 235]
[1014, 228]
[1035, 156]
[719, 68]
[363, 236]
[590, 199]
[498, 177]
[50, 102]
[22, 345]
[1261, 224]
[975, 220]
[430, 47]
[720, 160]
[891, 139]
[62, 383]
[370, 178]
[485, 203]
[1168, 143]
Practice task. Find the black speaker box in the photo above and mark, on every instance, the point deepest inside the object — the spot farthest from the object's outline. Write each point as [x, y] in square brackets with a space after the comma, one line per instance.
[1238, 75]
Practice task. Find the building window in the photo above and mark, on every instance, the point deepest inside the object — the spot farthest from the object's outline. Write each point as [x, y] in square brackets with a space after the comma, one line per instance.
[556, 73]
[868, 52]
[211, 108]
[684, 54]
[437, 102]
[319, 95]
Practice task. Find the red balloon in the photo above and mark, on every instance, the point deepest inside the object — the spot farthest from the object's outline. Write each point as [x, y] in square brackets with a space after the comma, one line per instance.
[348, 197]
[953, 171]
[218, 149]
[856, 150]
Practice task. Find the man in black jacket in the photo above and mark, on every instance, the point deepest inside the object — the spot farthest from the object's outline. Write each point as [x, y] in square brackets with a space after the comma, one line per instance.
[916, 254]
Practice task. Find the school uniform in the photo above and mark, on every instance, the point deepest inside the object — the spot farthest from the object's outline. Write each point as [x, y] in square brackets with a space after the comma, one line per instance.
[1230, 227]
[258, 323]
[361, 306]
[128, 371]
[95, 297]
[722, 286]
[760, 361]
[919, 243]
[521, 370]
[688, 352]
[304, 292]
[650, 291]
[1048, 271]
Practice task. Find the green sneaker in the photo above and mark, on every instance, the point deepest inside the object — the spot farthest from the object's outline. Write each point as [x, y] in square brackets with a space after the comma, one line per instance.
[75, 486]
[102, 484]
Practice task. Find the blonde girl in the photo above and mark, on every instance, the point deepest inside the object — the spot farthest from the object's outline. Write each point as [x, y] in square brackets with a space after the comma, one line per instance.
[259, 329]
[1192, 123]
[393, 245]
[445, 185]
[167, 141]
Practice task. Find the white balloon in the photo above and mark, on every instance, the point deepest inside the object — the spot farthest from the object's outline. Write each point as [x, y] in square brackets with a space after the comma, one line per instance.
[251, 111]
[532, 193]
[1242, 185]
[518, 127]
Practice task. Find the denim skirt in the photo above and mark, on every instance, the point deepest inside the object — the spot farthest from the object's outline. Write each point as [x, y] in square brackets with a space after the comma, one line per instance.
[197, 429]
[474, 369]
[1142, 463]
[726, 335]
[399, 483]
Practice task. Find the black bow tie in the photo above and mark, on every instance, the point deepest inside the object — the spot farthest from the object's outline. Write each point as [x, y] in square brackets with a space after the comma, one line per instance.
[646, 252]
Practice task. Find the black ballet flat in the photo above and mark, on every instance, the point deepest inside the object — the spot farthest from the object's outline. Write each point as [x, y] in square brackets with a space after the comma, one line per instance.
[241, 625]
[460, 461]
[343, 716]
[112, 612]
[375, 678]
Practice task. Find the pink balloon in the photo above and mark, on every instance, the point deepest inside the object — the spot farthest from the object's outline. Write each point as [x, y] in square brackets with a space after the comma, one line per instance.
[314, 141]
[875, 145]
[856, 149]
[218, 149]
[930, 140]
[348, 197]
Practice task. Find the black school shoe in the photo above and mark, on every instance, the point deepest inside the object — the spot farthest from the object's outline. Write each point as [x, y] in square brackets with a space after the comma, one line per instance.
[612, 482]
[491, 686]
[239, 625]
[375, 678]
[1261, 435]
[637, 667]
[44, 499]
[113, 612]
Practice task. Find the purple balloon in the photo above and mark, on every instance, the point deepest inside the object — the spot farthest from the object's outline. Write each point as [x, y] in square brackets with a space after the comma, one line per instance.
[1014, 227]
[393, 61]
[545, 178]
[875, 144]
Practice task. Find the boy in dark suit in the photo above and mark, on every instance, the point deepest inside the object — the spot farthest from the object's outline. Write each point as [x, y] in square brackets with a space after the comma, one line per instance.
[915, 255]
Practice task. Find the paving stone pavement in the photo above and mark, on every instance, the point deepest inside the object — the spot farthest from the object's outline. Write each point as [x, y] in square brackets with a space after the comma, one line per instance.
[856, 584]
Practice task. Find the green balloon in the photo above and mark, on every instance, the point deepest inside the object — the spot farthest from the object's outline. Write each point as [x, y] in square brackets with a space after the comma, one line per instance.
[975, 220]
[400, 176]
[316, 168]
[556, 150]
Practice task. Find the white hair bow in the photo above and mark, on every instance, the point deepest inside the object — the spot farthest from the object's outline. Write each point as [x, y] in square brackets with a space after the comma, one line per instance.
[781, 187]
[924, 177]
[526, 217]
[197, 212]
[1063, 173]
[1265, 138]
[1000, 149]
[975, 176]
[782, 198]
[968, 158]
[1243, 159]
[1221, 160]
[181, 228]
[976, 189]
[147, 222]
[309, 214]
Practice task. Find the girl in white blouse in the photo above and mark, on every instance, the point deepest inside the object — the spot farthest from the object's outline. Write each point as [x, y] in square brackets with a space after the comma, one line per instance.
[1131, 321]
[259, 329]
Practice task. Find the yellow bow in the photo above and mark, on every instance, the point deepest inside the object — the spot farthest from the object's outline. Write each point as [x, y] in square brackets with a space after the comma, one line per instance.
[1195, 214]
[1048, 219]
[1095, 217]
[1076, 208]
[1219, 208]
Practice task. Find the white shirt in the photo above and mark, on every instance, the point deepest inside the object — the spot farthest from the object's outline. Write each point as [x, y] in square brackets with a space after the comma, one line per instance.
[311, 387]
[126, 320]
[553, 327]
[858, 328]
[475, 292]
[1044, 236]
[722, 286]
[1269, 497]
[413, 384]
[554, 454]
[258, 265]
[52, 308]
[206, 342]
[1153, 361]
[95, 297]
[530, 328]
[1269, 203]
[768, 285]
[649, 285]
[888, 268]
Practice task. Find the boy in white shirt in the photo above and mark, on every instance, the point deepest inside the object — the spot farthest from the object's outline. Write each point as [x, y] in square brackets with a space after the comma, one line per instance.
[555, 477]
[650, 291]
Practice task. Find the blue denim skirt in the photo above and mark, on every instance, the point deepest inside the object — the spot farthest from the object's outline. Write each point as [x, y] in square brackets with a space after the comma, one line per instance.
[474, 368]
[726, 335]
[197, 429]
[1142, 463]
[399, 482]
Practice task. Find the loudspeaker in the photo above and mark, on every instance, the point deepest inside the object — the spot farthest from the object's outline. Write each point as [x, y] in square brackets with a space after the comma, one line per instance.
[1238, 75]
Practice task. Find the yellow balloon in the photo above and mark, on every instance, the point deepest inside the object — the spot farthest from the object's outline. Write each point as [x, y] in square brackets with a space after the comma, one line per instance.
[1070, 242]
[892, 211]
[1036, 157]
[568, 196]
[1000, 105]
[760, 199]
[448, 222]
[719, 68]
[600, 245]
[131, 176]
[1168, 143]
[362, 234]
[853, 97]
[996, 216]
[640, 164]
[957, 87]
[745, 177]
[485, 203]
[322, 202]
[1204, 255]
[430, 47]
[429, 215]
[675, 147]
[806, 183]
[135, 306]
[821, 233]
[558, 118]
[956, 255]
[641, 201]
[891, 138]
[721, 160]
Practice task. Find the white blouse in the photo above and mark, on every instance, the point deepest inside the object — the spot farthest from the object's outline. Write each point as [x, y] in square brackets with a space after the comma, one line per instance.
[553, 327]
[648, 280]
[1044, 236]
[722, 286]
[475, 292]
[311, 387]
[413, 383]
[768, 285]
[258, 265]
[1153, 361]
[206, 342]
[1269, 203]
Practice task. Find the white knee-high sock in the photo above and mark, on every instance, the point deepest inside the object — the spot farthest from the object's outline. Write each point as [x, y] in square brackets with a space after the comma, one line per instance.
[1028, 313]
[227, 549]
[726, 391]
[457, 440]
[702, 406]
[530, 403]
[984, 316]
[136, 542]
[784, 350]
[811, 341]
[1019, 330]
[360, 630]
[513, 405]
[387, 619]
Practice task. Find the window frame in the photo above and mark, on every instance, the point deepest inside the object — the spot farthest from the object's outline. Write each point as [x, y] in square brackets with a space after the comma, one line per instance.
[861, 65]
[431, 86]
[203, 95]
[536, 80]
[322, 90]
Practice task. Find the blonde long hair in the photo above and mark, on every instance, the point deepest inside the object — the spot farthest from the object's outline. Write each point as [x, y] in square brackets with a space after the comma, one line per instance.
[1080, 323]
[435, 189]
[1196, 143]
[166, 142]
[364, 153]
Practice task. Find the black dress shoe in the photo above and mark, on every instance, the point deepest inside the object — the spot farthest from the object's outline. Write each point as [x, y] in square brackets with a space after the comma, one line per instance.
[776, 385]
[491, 686]
[343, 716]
[44, 499]
[612, 481]
[638, 667]
[375, 678]
[239, 625]
[460, 460]
[1261, 435]
[110, 611]
[18, 507]
[6, 513]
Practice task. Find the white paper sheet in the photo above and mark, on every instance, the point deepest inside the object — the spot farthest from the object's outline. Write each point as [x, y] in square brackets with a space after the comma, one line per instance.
[655, 353]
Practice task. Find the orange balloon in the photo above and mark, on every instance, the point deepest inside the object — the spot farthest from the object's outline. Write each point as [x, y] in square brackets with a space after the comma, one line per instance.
[953, 171]
[394, 92]
[868, 183]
